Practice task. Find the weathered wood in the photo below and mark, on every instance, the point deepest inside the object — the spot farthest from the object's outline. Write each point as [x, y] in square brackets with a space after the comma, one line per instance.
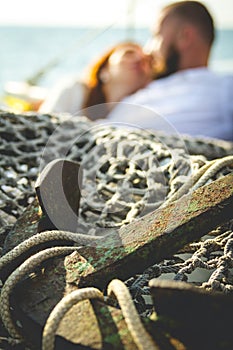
[200, 318]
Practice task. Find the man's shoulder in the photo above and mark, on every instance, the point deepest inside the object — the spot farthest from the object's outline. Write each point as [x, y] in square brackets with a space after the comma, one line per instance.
[228, 78]
[200, 74]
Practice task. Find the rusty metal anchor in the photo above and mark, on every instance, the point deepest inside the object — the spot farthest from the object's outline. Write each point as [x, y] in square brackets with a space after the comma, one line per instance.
[121, 254]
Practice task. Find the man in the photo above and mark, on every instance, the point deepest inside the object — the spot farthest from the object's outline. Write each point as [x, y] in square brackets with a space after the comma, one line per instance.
[186, 94]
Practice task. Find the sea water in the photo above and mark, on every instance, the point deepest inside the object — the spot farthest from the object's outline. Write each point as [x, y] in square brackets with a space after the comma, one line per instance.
[59, 52]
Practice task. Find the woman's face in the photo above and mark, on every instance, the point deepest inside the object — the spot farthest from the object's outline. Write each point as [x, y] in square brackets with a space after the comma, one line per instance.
[130, 68]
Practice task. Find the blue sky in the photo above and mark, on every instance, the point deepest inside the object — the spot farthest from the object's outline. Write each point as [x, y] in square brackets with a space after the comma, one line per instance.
[98, 12]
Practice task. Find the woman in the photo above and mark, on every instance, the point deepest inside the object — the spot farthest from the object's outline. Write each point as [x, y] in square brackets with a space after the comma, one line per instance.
[121, 71]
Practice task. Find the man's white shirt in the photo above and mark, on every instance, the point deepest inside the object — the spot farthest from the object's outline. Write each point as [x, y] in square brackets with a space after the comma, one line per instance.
[196, 101]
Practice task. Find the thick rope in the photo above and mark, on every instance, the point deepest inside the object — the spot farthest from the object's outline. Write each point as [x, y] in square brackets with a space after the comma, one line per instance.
[217, 165]
[46, 236]
[140, 336]
[61, 309]
[204, 174]
[16, 276]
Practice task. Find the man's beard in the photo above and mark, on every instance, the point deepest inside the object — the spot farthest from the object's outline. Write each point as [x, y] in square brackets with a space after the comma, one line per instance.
[171, 64]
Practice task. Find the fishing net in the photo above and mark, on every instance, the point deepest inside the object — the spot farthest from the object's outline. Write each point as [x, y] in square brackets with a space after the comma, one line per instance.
[148, 167]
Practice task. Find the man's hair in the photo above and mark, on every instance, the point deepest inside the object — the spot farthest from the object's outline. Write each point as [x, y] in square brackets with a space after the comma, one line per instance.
[195, 13]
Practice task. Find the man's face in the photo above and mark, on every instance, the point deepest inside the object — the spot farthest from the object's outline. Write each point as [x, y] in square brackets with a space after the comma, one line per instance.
[165, 48]
[171, 61]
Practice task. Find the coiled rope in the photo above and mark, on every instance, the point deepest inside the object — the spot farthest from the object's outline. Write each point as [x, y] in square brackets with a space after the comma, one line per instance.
[200, 178]
[140, 336]
[26, 267]
[43, 237]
